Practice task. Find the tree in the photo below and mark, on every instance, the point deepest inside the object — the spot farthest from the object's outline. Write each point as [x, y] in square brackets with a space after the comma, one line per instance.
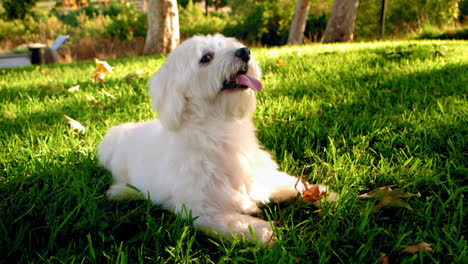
[340, 25]
[163, 27]
[298, 24]
[382, 18]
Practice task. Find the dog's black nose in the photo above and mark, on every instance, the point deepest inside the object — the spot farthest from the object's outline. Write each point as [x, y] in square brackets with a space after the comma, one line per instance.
[243, 54]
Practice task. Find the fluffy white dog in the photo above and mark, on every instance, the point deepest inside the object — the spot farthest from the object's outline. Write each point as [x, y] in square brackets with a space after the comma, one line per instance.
[202, 152]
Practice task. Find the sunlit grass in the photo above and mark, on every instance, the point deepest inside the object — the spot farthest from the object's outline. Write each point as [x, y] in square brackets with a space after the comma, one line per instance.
[358, 116]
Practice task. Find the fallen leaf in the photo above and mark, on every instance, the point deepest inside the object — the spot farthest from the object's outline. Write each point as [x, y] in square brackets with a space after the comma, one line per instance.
[298, 52]
[91, 99]
[383, 259]
[75, 124]
[280, 62]
[423, 246]
[94, 101]
[133, 75]
[74, 88]
[50, 88]
[98, 76]
[103, 66]
[438, 53]
[47, 73]
[107, 94]
[313, 194]
[386, 197]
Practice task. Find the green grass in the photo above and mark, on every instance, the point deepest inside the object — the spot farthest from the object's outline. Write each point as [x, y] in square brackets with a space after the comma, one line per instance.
[359, 116]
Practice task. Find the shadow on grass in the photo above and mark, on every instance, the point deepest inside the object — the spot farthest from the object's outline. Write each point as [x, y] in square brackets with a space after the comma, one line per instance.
[93, 112]
[421, 114]
[62, 211]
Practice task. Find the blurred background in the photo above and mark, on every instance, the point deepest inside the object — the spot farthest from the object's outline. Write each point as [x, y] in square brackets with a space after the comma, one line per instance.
[109, 29]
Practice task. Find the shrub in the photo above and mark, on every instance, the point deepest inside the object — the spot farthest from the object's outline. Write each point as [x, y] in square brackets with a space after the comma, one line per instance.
[17, 9]
[266, 23]
[429, 32]
[121, 21]
[315, 27]
[11, 29]
[129, 23]
[192, 21]
[403, 16]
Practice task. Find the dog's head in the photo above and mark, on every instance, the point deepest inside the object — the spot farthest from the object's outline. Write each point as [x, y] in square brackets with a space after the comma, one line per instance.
[206, 77]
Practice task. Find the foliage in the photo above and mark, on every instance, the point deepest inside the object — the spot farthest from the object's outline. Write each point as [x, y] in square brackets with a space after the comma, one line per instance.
[403, 16]
[122, 21]
[36, 27]
[13, 28]
[129, 23]
[358, 116]
[264, 22]
[429, 32]
[192, 21]
[261, 22]
[315, 26]
[212, 3]
[17, 9]
[184, 3]
[463, 6]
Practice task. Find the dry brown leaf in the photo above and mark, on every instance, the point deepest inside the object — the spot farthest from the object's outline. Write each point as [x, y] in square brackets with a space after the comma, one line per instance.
[75, 124]
[107, 94]
[103, 66]
[383, 259]
[280, 63]
[423, 246]
[313, 194]
[133, 75]
[74, 88]
[386, 197]
[50, 88]
[47, 73]
[91, 99]
[98, 76]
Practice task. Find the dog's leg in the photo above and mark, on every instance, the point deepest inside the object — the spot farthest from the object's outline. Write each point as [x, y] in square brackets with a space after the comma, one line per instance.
[113, 158]
[229, 223]
[119, 191]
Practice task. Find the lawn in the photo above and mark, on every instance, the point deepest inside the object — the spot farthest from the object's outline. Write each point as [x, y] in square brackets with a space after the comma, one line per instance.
[355, 116]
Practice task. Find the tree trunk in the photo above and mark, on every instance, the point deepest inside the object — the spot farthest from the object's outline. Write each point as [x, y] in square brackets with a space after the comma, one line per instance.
[383, 11]
[340, 25]
[163, 27]
[296, 32]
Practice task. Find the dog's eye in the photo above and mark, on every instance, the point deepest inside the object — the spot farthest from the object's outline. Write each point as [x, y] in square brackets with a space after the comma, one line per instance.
[206, 58]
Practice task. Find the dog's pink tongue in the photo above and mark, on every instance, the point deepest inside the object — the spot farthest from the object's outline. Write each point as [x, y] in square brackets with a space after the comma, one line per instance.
[249, 81]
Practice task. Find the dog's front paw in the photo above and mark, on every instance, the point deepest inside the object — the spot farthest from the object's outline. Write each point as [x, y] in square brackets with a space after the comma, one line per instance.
[264, 233]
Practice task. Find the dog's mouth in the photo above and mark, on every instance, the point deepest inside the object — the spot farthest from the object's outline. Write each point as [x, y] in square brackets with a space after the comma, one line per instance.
[241, 80]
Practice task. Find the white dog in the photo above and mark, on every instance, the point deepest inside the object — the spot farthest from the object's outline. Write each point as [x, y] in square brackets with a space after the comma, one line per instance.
[202, 152]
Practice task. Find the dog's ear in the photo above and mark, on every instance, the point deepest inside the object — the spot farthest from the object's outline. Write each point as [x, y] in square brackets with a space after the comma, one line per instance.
[168, 99]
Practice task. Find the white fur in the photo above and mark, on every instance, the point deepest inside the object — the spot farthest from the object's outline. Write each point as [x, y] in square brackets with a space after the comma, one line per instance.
[202, 152]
